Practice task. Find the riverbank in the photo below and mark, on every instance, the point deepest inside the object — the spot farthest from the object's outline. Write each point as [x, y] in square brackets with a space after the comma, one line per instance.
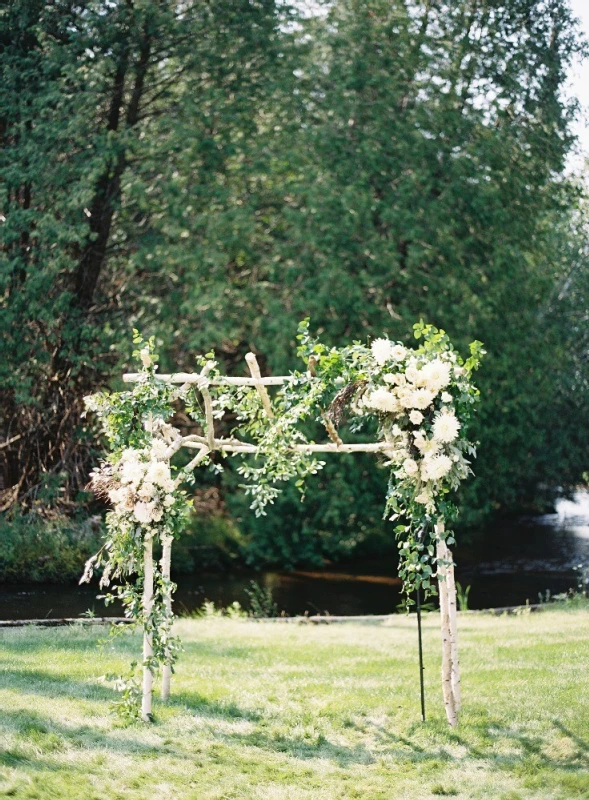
[303, 713]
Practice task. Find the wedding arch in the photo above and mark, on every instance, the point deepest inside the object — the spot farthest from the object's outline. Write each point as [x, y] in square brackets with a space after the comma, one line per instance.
[417, 400]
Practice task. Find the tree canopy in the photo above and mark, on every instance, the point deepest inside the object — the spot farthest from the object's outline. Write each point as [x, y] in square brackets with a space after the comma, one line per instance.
[214, 172]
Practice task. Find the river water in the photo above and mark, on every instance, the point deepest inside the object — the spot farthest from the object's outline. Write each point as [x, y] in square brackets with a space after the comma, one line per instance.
[511, 564]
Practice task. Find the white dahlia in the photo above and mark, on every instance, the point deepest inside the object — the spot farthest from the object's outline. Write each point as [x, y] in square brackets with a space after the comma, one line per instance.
[158, 472]
[446, 427]
[382, 350]
[132, 472]
[435, 467]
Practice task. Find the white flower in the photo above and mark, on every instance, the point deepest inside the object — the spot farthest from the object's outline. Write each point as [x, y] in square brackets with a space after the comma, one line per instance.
[168, 500]
[459, 371]
[398, 352]
[144, 512]
[410, 466]
[446, 397]
[158, 472]
[122, 498]
[446, 427]
[422, 398]
[436, 375]
[91, 403]
[382, 350]
[132, 472]
[147, 491]
[416, 417]
[425, 498]
[169, 485]
[384, 401]
[424, 445]
[146, 359]
[436, 467]
[156, 514]
[412, 373]
[389, 377]
[159, 450]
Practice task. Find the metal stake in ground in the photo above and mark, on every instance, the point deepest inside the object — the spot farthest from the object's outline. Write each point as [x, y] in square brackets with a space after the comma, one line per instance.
[421, 667]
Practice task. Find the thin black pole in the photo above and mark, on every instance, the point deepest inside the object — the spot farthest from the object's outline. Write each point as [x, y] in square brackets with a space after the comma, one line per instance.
[421, 667]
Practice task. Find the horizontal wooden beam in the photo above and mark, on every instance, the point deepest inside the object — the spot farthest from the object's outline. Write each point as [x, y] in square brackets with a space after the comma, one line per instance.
[232, 446]
[194, 377]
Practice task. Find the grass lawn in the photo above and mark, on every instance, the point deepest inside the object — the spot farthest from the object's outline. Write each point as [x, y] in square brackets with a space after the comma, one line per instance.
[290, 712]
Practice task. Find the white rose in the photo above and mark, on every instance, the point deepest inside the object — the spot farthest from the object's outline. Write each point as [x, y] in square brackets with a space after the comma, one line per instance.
[381, 351]
[446, 397]
[422, 398]
[398, 352]
[412, 373]
[416, 417]
[389, 378]
[168, 500]
[410, 466]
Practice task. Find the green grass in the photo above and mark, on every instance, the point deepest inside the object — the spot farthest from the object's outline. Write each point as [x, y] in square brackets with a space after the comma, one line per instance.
[291, 712]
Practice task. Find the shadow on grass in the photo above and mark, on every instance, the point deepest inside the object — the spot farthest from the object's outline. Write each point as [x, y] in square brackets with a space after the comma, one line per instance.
[46, 683]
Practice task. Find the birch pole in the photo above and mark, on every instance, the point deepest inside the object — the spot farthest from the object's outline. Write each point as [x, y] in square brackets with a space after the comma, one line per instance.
[147, 634]
[447, 592]
[166, 562]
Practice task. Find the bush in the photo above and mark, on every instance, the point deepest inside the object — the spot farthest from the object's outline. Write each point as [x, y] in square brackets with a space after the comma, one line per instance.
[36, 549]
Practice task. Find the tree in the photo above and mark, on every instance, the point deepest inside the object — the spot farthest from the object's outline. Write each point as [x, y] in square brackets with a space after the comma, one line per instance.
[96, 98]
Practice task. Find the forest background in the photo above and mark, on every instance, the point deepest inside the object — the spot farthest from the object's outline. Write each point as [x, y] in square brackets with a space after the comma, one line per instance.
[214, 172]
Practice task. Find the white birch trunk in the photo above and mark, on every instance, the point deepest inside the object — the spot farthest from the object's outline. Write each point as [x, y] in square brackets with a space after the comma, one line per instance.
[166, 562]
[447, 653]
[147, 636]
[452, 621]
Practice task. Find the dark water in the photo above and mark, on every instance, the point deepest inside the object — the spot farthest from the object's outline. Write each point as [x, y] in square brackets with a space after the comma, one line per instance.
[512, 564]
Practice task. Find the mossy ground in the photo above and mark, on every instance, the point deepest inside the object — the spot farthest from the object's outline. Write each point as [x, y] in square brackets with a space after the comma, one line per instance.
[292, 712]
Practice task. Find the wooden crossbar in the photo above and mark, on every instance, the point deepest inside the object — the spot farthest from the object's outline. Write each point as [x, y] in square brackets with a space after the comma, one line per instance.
[243, 447]
[194, 377]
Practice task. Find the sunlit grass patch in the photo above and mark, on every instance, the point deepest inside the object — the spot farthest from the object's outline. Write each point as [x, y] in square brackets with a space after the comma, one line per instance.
[262, 710]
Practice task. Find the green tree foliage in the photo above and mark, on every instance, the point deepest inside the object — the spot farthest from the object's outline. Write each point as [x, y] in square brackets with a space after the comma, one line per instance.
[98, 100]
[215, 172]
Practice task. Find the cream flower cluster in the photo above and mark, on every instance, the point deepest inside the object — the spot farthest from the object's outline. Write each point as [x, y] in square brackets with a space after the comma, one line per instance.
[416, 403]
[141, 486]
[414, 388]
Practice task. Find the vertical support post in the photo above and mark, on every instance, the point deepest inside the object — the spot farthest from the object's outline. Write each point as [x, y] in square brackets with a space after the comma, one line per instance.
[421, 667]
[166, 562]
[147, 634]
[254, 369]
[453, 626]
[450, 674]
